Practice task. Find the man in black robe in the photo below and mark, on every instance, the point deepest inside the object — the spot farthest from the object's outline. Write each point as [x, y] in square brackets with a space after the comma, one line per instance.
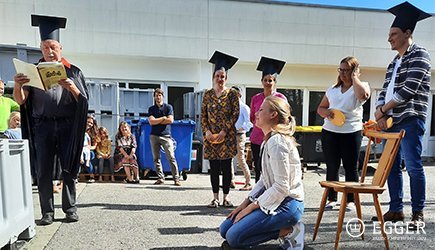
[54, 121]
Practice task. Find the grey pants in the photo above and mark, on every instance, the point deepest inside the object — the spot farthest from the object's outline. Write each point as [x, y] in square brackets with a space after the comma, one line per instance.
[168, 145]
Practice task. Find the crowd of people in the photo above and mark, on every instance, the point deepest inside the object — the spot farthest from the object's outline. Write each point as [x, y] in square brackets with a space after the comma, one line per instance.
[64, 137]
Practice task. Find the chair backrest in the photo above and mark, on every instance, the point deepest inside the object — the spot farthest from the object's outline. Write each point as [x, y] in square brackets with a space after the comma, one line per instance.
[387, 158]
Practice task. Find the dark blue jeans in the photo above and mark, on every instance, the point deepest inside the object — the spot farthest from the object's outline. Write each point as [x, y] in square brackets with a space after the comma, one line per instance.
[410, 149]
[258, 227]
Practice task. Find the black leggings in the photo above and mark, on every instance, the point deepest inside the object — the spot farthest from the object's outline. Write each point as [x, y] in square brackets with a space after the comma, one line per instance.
[256, 157]
[339, 147]
[216, 166]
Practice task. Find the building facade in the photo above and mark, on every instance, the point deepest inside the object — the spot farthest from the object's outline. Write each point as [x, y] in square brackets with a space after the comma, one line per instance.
[134, 45]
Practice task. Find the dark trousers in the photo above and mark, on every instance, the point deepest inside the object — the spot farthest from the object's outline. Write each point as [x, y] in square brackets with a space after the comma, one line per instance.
[51, 141]
[216, 166]
[256, 155]
[337, 148]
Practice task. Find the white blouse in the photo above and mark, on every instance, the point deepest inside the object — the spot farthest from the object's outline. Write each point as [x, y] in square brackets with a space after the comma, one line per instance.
[351, 107]
[281, 175]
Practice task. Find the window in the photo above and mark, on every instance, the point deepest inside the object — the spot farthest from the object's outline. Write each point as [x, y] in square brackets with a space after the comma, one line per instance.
[366, 110]
[295, 99]
[250, 92]
[175, 98]
[432, 123]
[143, 86]
[313, 118]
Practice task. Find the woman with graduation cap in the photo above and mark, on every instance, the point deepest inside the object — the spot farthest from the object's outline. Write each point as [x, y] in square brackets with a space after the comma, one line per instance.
[219, 113]
[270, 69]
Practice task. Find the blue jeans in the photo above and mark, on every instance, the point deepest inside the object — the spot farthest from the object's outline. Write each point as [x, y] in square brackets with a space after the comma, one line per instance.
[410, 149]
[258, 227]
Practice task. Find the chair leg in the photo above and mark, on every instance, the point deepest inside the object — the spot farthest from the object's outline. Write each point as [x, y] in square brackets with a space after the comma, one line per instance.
[358, 212]
[321, 210]
[381, 220]
[340, 219]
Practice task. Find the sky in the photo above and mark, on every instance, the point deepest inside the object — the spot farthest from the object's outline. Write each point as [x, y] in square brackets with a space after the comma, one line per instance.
[425, 5]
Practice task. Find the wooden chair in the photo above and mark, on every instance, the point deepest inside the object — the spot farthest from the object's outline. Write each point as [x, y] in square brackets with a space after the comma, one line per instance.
[375, 188]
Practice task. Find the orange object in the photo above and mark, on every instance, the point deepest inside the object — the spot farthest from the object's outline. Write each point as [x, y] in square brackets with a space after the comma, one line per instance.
[339, 118]
[214, 141]
[373, 125]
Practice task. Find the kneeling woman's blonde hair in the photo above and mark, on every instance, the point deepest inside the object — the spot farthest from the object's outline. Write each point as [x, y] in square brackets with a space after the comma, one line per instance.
[286, 122]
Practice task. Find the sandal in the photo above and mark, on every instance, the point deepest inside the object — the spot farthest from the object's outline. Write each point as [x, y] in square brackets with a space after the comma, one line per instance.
[213, 204]
[227, 203]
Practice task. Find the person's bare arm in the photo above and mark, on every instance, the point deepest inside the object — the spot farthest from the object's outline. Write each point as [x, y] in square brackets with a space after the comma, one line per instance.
[362, 91]
[323, 108]
[155, 121]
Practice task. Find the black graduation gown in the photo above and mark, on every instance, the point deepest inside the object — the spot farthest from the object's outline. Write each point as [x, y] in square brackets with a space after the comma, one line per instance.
[75, 146]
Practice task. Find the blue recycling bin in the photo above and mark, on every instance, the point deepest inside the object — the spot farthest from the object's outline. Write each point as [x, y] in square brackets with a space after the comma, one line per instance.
[182, 134]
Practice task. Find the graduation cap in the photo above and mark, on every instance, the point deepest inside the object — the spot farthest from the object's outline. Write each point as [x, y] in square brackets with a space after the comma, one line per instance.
[221, 60]
[49, 26]
[270, 66]
[407, 16]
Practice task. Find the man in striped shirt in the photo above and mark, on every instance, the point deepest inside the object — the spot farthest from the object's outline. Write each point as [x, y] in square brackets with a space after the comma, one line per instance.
[405, 98]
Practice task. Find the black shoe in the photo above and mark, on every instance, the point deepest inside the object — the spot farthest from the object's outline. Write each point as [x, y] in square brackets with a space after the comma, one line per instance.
[417, 221]
[225, 246]
[71, 217]
[47, 219]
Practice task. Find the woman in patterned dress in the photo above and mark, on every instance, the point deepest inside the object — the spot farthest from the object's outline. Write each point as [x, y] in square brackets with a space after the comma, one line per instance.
[125, 156]
[219, 113]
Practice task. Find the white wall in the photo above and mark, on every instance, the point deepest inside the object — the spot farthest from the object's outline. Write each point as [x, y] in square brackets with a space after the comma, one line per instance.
[173, 39]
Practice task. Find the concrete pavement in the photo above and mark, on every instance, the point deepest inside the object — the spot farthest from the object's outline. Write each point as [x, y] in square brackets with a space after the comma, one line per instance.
[144, 216]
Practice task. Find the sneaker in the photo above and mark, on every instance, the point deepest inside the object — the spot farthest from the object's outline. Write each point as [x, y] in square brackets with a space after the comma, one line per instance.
[47, 219]
[91, 181]
[417, 221]
[159, 181]
[391, 216]
[330, 205]
[177, 183]
[350, 206]
[213, 204]
[295, 239]
[247, 187]
[71, 217]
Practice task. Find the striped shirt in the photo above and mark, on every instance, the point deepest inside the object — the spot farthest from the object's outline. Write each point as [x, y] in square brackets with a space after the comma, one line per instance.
[411, 85]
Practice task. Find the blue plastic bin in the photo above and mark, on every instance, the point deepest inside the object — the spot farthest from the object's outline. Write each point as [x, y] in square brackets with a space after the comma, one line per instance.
[182, 133]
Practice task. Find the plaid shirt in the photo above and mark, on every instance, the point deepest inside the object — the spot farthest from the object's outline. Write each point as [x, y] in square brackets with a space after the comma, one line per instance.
[411, 86]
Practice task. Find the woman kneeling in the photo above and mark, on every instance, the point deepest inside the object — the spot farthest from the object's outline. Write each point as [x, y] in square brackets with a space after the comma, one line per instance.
[275, 206]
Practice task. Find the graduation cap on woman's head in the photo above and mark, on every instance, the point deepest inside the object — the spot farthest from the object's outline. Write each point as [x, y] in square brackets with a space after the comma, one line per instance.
[407, 16]
[270, 66]
[49, 26]
[222, 61]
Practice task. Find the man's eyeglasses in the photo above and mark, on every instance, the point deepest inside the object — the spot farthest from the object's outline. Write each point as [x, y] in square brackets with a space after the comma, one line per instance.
[340, 70]
[267, 80]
